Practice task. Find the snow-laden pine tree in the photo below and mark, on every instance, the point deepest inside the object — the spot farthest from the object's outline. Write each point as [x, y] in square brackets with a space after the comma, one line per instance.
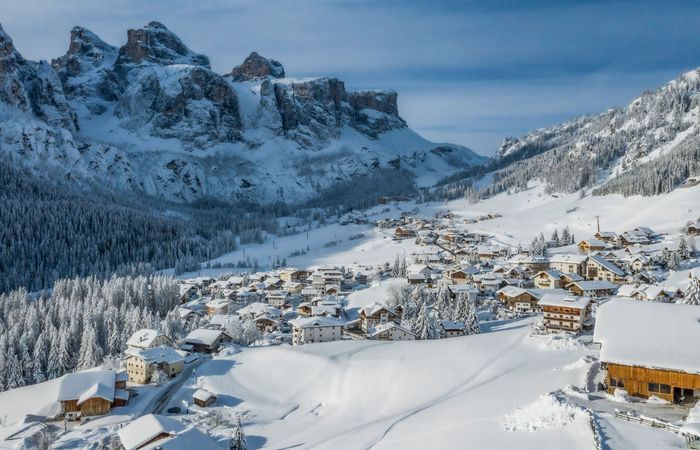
[424, 325]
[682, 250]
[443, 301]
[90, 353]
[691, 296]
[238, 440]
[471, 323]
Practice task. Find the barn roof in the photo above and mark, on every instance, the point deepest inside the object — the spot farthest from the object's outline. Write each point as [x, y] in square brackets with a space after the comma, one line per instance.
[649, 334]
[93, 383]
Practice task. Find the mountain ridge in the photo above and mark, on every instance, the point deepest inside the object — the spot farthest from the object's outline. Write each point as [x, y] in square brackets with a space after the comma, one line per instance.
[152, 117]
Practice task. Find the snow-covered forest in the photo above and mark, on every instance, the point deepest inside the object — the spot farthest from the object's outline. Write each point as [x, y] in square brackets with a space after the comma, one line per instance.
[49, 231]
[79, 324]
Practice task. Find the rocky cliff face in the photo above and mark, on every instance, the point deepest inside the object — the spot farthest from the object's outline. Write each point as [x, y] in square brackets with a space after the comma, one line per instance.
[256, 67]
[32, 87]
[152, 116]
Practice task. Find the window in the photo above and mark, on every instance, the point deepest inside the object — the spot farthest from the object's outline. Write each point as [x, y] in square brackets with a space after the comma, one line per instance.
[660, 388]
[617, 382]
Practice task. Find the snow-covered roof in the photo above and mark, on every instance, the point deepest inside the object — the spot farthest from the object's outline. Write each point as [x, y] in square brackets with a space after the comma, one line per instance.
[564, 300]
[97, 390]
[203, 336]
[143, 338]
[160, 354]
[649, 334]
[374, 308]
[590, 285]
[595, 242]
[147, 427]
[310, 322]
[189, 439]
[449, 325]
[388, 326]
[201, 394]
[567, 258]
[95, 383]
[607, 264]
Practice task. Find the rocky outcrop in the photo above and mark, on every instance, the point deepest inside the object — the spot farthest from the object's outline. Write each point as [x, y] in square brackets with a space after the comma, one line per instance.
[155, 44]
[256, 67]
[376, 112]
[87, 71]
[192, 104]
[32, 86]
[313, 111]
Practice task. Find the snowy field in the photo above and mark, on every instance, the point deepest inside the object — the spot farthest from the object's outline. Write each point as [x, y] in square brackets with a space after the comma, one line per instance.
[451, 393]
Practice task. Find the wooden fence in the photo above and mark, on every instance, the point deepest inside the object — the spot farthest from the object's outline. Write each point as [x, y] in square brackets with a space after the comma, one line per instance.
[691, 440]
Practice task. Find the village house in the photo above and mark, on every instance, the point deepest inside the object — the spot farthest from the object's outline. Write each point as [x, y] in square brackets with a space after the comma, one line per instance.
[404, 233]
[452, 329]
[203, 398]
[292, 275]
[146, 338]
[593, 289]
[307, 330]
[459, 276]
[376, 314]
[592, 245]
[518, 299]
[154, 431]
[204, 340]
[606, 236]
[548, 279]
[644, 292]
[90, 393]
[142, 364]
[326, 276]
[634, 237]
[565, 313]
[218, 306]
[266, 322]
[533, 263]
[568, 263]
[650, 348]
[279, 299]
[418, 274]
[693, 229]
[599, 268]
[391, 331]
[187, 292]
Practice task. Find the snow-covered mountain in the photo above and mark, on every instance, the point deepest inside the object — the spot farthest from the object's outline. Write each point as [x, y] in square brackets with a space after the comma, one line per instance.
[648, 147]
[151, 116]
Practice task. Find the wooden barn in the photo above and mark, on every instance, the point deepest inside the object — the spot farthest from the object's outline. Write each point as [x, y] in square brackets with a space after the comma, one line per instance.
[203, 398]
[650, 348]
[91, 393]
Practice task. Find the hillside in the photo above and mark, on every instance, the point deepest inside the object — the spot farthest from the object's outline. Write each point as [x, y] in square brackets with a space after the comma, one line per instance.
[649, 147]
[153, 118]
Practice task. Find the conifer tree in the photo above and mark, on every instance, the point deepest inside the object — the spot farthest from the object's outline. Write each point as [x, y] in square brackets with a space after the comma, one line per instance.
[238, 441]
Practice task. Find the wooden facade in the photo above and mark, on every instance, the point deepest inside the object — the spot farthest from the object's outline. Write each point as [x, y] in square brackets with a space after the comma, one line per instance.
[566, 319]
[92, 407]
[644, 382]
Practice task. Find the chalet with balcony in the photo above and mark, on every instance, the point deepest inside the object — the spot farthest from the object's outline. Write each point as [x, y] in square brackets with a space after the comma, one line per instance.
[566, 314]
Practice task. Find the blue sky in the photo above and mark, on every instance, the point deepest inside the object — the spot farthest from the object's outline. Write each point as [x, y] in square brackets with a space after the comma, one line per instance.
[469, 72]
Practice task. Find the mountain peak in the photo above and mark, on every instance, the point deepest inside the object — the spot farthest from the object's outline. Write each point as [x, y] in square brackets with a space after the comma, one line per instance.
[256, 67]
[85, 50]
[156, 44]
